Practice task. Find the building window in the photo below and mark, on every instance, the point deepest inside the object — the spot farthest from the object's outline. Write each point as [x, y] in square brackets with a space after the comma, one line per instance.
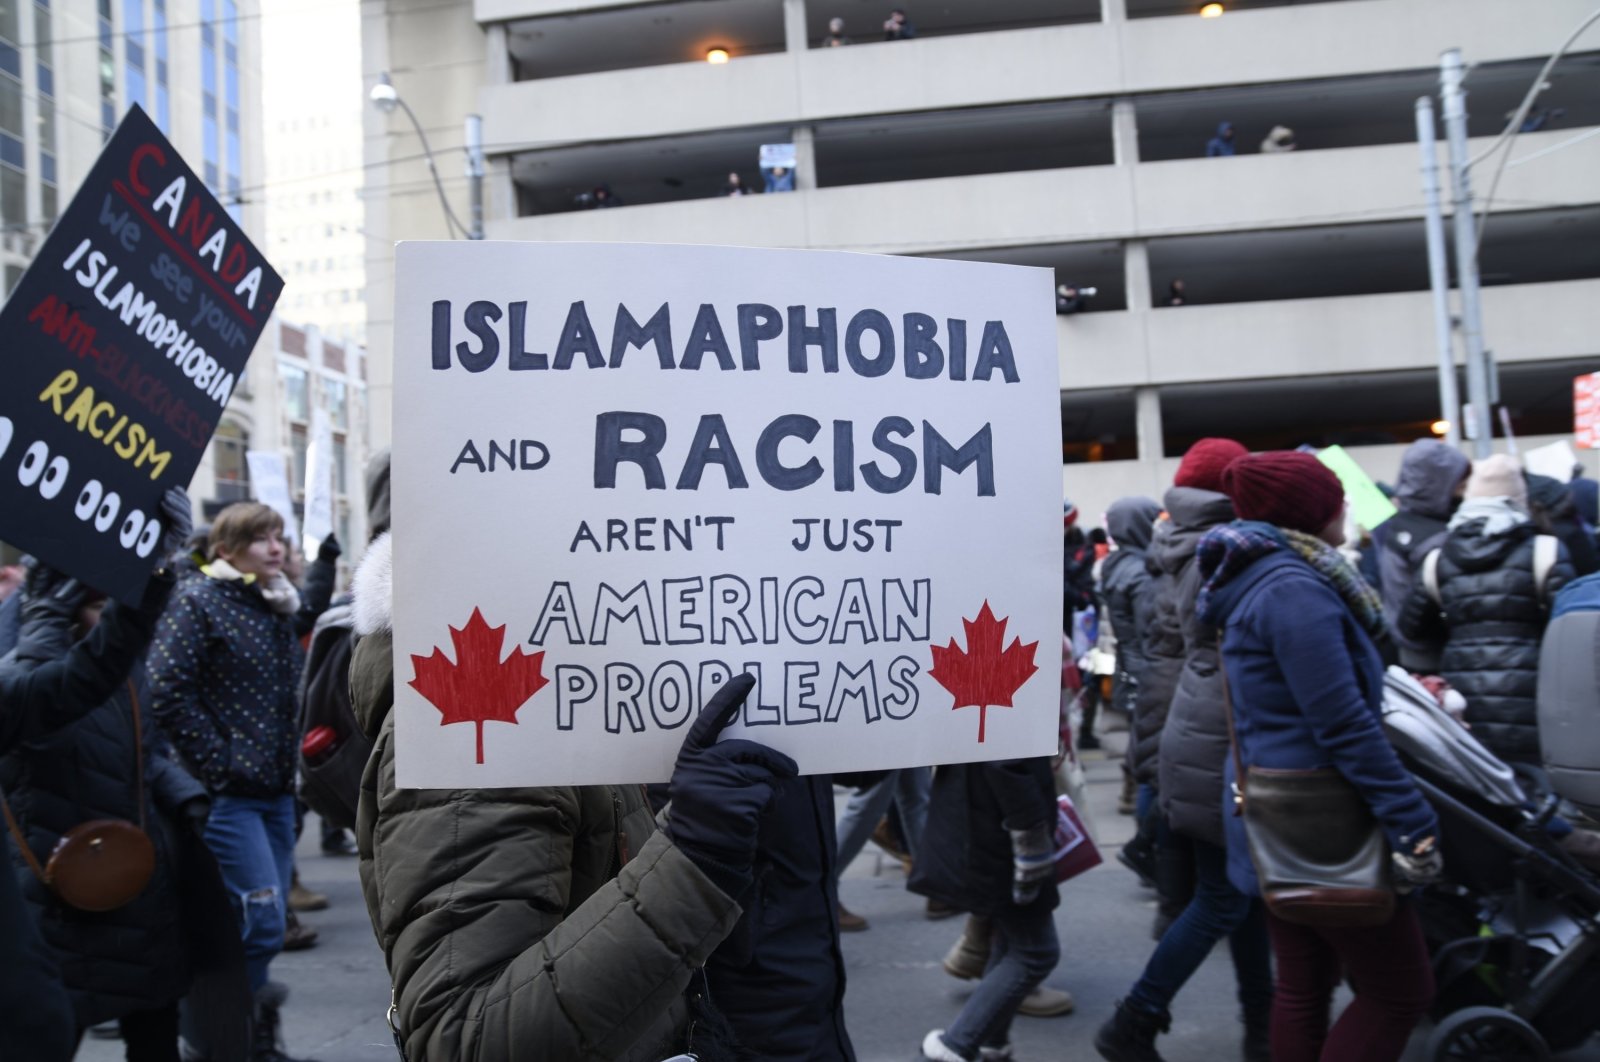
[133, 46]
[211, 144]
[163, 103]
[341, 478]
[338, 402]
[13, 182]
[108, 74]
[298, 444]
[296, 393]
[228, 448]
[44, 55]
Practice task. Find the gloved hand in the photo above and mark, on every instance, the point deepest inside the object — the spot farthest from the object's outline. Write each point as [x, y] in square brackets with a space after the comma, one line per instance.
[177, 512]
[1423, 865]
[720, 789]
[51, 592]
[1033, 862]
[196, 812]
[329, 550]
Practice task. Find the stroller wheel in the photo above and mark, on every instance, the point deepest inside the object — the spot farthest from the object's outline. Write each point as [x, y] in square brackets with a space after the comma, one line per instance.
[1486, 1034]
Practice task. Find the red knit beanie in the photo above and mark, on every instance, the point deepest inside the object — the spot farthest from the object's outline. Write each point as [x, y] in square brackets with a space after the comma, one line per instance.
[1288, 488]
[1203, 465]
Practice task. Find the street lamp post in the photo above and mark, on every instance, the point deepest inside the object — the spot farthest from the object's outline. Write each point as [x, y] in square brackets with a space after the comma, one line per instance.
[386, 98]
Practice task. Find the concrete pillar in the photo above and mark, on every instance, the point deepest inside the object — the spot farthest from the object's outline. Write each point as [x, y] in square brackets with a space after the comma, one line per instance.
[1113, 10]
[794, 26]
[497, 55]
[1147, 414]
[1124, 133]
[805, 158]
[1136, 274]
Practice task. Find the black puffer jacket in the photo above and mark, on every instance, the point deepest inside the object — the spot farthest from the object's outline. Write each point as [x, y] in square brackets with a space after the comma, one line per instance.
[132, 958]
[38, 1023]
[1493, 619]
[1161, 637]
[1194, 743]
[225, 673]
[965, 858]
[1425, 495]
[779, 976]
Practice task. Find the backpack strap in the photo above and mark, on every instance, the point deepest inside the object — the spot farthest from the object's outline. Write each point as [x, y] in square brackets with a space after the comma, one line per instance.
[1430, 577]
[1546, 551]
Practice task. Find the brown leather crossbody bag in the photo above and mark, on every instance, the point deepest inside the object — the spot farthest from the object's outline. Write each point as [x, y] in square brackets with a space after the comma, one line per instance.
[102, 864]
[1320, 856]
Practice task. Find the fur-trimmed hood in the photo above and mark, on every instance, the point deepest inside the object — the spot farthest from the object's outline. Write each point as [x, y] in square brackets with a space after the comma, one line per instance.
[374, 587]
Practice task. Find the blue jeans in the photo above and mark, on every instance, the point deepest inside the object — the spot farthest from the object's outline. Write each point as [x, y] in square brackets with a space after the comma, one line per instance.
[907, 787]
[1023, 949]
[1217, 910]
[253, 841]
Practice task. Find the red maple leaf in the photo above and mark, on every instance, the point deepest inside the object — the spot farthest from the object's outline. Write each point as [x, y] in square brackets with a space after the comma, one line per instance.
[984, 676]
[479, 686]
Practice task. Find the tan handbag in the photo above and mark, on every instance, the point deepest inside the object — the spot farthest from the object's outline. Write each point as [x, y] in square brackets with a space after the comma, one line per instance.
[102, 864]
[1320, 856]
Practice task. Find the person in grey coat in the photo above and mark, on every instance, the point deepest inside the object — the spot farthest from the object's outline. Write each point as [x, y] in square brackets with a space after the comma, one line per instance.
[1193, 748]
[1433, 476]
[1126, 584]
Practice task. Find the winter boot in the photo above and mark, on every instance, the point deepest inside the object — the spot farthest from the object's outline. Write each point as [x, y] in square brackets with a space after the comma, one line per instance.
[1128, 802]
[267, 1039]
[1139, 856]
[1257, 1036]
[1130, 1035]
[1047, 1002]
[969, 956]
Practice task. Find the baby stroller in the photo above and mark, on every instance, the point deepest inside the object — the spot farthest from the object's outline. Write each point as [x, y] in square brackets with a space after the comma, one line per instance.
[1514, 929]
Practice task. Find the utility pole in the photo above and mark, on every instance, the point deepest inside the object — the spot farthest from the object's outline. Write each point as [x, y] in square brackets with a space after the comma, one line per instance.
[474, 145]
[1479, 421]
[1438, 273]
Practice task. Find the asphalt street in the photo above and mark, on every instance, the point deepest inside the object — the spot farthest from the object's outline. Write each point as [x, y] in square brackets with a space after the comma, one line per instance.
[897, 989]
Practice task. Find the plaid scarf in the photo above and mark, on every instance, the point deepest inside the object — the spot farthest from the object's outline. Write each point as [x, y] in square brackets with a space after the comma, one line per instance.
[1226, 551]
[1362, 600]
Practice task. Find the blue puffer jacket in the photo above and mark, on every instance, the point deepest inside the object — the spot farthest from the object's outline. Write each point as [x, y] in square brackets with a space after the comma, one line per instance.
[1307, 689]
[225, 674]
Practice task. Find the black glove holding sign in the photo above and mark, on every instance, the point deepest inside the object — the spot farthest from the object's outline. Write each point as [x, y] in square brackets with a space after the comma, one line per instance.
[720, 789]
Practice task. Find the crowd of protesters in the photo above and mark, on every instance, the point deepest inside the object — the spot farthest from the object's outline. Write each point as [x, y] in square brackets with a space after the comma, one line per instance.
[1228, 623]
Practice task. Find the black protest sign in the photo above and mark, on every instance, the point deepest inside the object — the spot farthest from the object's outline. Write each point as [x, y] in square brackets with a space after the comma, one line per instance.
[123, 342]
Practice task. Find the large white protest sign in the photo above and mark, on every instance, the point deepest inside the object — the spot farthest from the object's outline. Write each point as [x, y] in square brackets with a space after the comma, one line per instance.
[269, 482]
[319, 482]
[622, 473]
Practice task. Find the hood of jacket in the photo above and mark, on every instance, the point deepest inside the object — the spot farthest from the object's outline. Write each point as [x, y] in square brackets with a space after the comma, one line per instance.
[371, 666]
[1429, 474]
[1191, 512]
[1474, 547]
[1223, 129]
[1131, 522]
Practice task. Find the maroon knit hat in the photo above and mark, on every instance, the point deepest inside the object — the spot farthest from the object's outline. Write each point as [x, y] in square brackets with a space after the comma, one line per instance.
[1288, 488]
[1202, 466]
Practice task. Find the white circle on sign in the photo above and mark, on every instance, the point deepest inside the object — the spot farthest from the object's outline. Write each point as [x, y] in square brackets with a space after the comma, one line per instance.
[55, 477]
[107, 513]
[131, 527]
[34, 459]
[6, 431]
[88, 499]
[148, 540]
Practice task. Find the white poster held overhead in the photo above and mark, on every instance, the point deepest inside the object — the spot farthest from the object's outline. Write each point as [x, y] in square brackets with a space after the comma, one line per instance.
[269, 482]
[626, 472]
[319, 481]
